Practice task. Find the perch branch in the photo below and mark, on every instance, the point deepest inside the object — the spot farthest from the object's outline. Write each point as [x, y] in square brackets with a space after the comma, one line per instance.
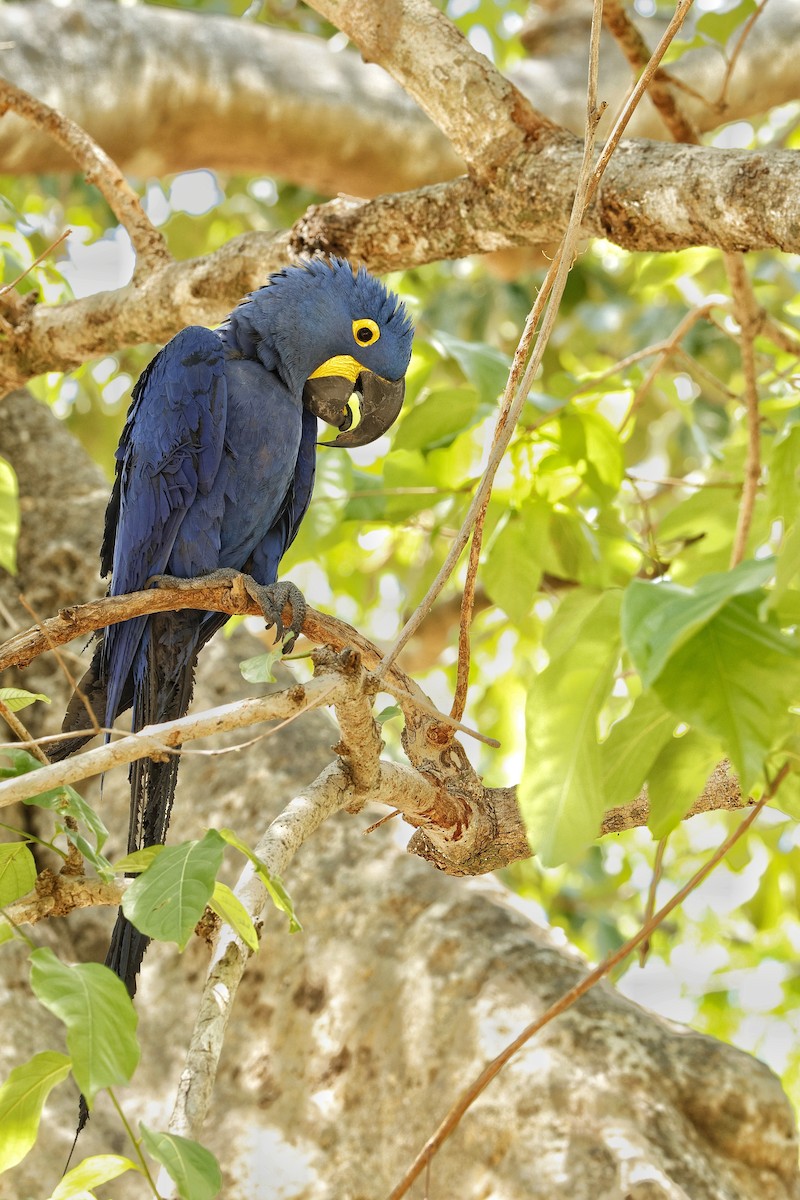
[79, 620]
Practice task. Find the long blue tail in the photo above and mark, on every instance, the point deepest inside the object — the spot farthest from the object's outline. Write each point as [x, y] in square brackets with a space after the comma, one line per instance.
[164, 680]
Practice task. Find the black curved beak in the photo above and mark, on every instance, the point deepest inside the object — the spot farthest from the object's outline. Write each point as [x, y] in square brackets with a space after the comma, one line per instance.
[361, 411]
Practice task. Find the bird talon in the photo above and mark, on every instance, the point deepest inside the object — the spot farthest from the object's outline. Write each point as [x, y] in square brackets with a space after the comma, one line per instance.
[272, 601]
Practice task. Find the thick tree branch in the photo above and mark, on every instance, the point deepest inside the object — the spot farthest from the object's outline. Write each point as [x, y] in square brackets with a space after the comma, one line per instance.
[289, 105]
[484, 117]
[653, 197]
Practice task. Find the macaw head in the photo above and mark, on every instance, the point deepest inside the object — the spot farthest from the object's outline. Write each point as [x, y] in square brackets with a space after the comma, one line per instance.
[345, 341]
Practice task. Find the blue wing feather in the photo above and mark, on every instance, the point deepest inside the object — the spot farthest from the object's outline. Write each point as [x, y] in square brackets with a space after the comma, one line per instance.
[283, 531]
[170, 451]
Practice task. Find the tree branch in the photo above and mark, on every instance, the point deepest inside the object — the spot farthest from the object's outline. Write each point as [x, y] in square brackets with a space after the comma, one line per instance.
[290, 105]
[484, 117]
[59, 895]
[148, 242]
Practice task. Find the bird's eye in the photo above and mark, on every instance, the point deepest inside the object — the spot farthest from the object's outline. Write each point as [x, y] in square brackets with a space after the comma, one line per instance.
[365, 331]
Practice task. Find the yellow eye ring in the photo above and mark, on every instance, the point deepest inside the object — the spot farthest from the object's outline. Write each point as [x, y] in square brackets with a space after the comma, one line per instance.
[365, 331]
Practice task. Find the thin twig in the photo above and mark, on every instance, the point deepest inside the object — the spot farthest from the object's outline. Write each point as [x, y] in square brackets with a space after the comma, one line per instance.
[639, 89]
[514, 397]
[16, 726]
[569, 998]
[721, 103]
[99, 169]
[157, 741]
[633, 46]
[650, 906]
[667, 348]
[62, 665]
[467, 606]
[39, 258]
[748, 314]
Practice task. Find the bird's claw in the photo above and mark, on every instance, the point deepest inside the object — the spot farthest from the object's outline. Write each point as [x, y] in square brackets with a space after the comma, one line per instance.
[171, 581]
[271, 600]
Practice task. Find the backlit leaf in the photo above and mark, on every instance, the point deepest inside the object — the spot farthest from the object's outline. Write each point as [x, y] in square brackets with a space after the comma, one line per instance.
[22, 1098]
[659, 618]
[677, 778]
[168, 899]
[90, 1173]
[99, 1016]
[17, 871]
[632, 745]
[734, 679]
[561, 794]
[193, 1169]
[17, 698]
[9, 517]
[230, 909]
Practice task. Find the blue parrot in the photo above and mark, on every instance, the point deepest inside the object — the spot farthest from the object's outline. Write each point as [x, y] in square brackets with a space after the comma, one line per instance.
[214, 473]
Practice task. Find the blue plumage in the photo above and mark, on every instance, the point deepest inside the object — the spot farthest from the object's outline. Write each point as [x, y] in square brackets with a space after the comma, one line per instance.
[215, 469]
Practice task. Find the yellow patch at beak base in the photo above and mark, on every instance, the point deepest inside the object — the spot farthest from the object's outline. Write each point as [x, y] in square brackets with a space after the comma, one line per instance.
[343, 365]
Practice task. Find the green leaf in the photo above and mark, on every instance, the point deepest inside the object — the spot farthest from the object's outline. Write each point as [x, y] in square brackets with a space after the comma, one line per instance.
[783, 492]
[22, 1098]
[90, 1173]
[9, 517]
[259, 668]
[593, 445]
[332, 487]
[677, 778]
[193, 1169]
[631, 748]
[561, 794]
[230, 909]
[734, 680]
[168, 899]
[138, 860]
[17, 872]
[486, 368]
[437, 420]
[275, 889]
[513, 569]
[99, 1017]
[388, 714]
[719, 26]
[659, 618]
[787, 566]
[407, 469]
[17, 698]
[65, 802]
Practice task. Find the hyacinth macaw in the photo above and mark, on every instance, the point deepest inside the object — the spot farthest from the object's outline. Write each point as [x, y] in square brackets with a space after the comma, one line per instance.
[214, 473]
